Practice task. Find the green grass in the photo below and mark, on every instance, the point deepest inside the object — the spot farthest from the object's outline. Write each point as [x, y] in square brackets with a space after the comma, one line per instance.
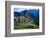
[25, 26]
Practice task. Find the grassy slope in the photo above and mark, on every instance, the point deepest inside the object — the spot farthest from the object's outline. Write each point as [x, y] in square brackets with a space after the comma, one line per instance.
[25, 26]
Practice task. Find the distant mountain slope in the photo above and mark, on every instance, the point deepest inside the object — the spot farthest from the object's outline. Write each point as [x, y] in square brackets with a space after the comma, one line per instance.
[34, 13]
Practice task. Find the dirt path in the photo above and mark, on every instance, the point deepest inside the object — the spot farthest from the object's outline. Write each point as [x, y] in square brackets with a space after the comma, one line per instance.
[32, 24]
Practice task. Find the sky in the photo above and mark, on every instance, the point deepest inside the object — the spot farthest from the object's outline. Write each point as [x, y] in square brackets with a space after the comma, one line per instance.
[20, 9]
